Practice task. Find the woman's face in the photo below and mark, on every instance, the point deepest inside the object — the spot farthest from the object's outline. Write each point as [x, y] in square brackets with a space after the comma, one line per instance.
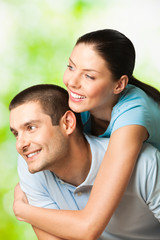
[88, 80]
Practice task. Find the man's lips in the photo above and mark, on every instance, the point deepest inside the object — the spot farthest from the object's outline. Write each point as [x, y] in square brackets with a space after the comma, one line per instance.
[33, 153]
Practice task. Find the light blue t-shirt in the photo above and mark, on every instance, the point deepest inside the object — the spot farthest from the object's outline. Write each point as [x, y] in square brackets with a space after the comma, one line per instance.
[138, 215]
[134, 107]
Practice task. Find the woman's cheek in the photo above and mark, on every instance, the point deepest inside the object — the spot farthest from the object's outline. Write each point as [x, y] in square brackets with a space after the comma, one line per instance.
[65, 75]
[93, 90]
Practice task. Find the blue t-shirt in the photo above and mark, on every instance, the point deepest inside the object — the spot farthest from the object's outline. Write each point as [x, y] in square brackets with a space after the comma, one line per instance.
[134, 107]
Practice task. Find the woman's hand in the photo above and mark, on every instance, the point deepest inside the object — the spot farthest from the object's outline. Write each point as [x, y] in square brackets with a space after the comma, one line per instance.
[20, 202]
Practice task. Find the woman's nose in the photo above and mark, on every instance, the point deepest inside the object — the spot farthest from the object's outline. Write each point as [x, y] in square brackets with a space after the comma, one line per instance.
[74, 81]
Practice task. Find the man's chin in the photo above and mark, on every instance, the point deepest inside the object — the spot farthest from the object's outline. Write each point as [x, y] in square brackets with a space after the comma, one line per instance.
[33, 170]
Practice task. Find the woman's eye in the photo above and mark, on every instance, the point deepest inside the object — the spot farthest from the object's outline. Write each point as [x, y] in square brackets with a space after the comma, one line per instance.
[70, 67]
[90, 77]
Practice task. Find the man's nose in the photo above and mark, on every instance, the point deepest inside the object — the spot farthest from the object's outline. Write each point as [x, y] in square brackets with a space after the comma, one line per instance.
[22, 143]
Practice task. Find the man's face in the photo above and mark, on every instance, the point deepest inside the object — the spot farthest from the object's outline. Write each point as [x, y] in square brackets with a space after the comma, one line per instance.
[41, 144]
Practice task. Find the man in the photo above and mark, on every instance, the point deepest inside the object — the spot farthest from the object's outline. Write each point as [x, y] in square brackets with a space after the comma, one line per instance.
[60, 168]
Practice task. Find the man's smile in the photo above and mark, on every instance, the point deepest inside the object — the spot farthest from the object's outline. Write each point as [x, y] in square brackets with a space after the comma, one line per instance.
[29, 155]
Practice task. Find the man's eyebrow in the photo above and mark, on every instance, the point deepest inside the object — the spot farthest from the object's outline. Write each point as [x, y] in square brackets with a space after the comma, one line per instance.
[30, 122]
[85, 69]
[26, 124]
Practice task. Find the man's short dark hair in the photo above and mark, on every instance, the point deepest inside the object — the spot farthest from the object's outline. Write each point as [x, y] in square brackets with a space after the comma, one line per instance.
[53, 100]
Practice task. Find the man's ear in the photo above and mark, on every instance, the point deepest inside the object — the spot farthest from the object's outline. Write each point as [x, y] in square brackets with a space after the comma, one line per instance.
[121, 84]
[68, 122]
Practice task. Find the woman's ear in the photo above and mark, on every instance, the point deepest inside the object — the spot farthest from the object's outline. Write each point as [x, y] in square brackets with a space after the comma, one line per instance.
[68, 122]
[121, 84]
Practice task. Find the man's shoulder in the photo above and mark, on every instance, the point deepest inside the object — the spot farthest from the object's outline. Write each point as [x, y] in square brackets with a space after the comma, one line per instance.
[149, 154]
[97, 142]
[148, 161]
[38, 178]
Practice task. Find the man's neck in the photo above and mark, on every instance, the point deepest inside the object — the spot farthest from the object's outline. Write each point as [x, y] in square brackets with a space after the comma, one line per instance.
[77, 162]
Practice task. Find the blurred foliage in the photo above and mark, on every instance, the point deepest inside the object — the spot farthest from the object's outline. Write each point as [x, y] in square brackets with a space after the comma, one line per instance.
[36, 40]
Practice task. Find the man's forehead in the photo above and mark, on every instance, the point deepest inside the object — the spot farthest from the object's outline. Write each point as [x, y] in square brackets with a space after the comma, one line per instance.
[29, 104]
[31, 107]
[27, 112]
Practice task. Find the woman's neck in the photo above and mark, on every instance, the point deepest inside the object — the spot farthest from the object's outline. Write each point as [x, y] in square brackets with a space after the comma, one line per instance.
[98, 126]
[100, 118]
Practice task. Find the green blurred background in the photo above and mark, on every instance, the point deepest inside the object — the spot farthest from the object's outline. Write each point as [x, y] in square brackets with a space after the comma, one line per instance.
[36, 38]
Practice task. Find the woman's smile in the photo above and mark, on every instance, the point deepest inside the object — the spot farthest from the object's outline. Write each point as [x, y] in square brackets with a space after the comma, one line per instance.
[76, 97]
[88, 80]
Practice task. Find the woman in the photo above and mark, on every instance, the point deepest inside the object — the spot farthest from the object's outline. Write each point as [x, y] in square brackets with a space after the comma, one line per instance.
[113, 104]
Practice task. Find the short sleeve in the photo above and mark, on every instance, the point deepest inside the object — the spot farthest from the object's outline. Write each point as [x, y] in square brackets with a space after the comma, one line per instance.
[134, 107]
[34, 187]
[133, 115]
[153, 186]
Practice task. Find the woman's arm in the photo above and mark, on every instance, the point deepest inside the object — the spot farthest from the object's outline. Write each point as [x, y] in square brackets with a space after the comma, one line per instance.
[41, 235]
[110, 184]
[20, 200]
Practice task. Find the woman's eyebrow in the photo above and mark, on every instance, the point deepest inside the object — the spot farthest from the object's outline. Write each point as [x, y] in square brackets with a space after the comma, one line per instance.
[71, 61]
[85, 69]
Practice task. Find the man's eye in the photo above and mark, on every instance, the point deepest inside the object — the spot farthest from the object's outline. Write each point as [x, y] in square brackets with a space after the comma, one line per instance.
[31, 128]
[15, 134]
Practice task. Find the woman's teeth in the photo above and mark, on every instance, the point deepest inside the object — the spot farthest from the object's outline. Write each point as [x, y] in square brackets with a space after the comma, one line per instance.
[77, 96]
